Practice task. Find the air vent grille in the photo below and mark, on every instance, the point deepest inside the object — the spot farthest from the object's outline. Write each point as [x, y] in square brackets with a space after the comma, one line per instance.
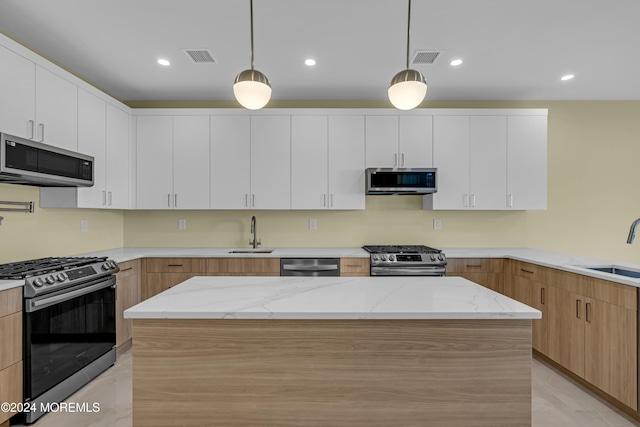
[425, 56]
[200, 56]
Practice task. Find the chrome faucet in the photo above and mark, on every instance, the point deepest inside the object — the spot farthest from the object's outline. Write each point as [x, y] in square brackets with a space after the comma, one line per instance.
[254, 230]
[632, 230]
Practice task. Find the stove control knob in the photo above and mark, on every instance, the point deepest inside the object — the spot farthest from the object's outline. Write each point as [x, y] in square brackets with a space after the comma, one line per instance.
[106, 266]
[375, 257]
[50, 279]
[433, 257]
[392, 257]
[441, 257]
[61, 277]
[38, 282]
[384, 257]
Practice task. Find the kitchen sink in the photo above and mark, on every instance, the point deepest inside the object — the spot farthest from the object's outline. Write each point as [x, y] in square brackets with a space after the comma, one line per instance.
[618, 271]
[251, 251]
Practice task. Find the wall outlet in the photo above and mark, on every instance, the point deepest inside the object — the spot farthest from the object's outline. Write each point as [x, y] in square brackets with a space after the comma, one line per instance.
[182, 224]
[313, 224]
[84, 225]
[437, 225]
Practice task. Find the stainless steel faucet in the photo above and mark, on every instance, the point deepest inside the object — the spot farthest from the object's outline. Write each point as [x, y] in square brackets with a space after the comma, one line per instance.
[254, 230]
[632, 230]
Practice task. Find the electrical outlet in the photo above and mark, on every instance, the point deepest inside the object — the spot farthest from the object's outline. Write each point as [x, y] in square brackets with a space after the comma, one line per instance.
[313, 224]
[437, 225]
[84, 225]
[182, 224]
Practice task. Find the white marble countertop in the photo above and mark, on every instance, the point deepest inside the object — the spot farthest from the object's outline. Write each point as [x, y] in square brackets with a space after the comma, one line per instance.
[330, 298]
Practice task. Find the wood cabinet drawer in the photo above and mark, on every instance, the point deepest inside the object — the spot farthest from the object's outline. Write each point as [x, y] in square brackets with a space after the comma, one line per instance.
[475, 265]
[614, 293]
[355, 267]
[176, 265]
[529, 271]
[11, 339]
[10, 301]
[10, 387]
[128, 269]
[569, 282]
[243, 266]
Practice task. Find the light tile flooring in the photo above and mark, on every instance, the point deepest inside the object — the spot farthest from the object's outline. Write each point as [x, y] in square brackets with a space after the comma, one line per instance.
[557, 402]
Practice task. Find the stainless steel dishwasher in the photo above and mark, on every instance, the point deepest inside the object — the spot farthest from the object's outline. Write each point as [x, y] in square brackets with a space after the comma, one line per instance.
[310, 267]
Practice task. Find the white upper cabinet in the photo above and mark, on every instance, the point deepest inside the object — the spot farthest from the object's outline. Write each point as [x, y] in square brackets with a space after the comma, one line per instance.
[230, 162]
[270, 162]
[399, 141]
[56, 118]
[488, 162]
[18, 94]
[118, 154]
[346, 162]
[527, 162]
[92, 131]
[172, 162]
[327, 162]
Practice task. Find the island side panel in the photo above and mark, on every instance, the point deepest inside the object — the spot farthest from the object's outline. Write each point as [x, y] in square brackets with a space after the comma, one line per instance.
[303, 373]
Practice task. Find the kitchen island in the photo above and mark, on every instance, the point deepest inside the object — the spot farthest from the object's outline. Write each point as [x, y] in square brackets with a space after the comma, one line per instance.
[374, 351]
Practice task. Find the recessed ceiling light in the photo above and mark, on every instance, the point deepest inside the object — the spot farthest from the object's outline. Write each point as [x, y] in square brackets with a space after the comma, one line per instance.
[164, 62]
[456, 62]
[310, 62]
[567, 77]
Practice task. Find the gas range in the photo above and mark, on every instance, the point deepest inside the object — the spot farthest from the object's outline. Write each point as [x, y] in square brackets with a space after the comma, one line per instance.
[47, 275]
[406, 260]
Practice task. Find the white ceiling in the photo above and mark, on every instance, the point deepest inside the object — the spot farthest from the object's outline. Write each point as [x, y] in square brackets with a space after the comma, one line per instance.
[512, 49]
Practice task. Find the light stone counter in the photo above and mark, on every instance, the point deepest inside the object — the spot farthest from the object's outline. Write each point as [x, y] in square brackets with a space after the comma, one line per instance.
[330, 298]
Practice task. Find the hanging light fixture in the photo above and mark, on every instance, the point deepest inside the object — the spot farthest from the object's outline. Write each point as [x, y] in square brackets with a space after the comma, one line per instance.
[252, 88]
[408, 88]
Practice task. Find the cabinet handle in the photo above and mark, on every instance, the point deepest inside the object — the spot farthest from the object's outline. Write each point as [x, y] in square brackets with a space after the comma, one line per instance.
[31, 129]
[578, 309]
[510, 204]
[126, 269]
[402, 159]
[175, 200]
[331, 200]
[588, 312]
[542, 296]
[466, 201]
[175, 265]
[474, 266]
[110, 198]
[324, 200]
[104, 198]
[246, 200]
[473, 200]
[169, 200]
[395, 159]
[526, 271]
[253, 200]
[41, 127]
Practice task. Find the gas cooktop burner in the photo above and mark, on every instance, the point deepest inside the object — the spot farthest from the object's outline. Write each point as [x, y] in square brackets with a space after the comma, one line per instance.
[401, 249]
[24, 269]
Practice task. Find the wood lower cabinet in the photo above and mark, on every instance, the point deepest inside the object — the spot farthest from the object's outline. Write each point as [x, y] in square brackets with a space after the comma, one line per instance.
[487, 272]
[243, 267]
[566, 329]
[10, 348]
[355, 267]
[128, 294]
[161, 274]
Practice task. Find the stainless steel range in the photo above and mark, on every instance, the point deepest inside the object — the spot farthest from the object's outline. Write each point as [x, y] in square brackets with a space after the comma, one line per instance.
[409, 260]
[68, 325]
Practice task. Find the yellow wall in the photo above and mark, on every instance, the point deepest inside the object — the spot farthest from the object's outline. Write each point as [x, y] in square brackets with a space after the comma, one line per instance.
[53, 232]
[593, 196]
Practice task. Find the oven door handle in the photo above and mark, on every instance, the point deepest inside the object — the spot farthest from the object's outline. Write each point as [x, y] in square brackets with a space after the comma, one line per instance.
[38, 304]
[408, 271]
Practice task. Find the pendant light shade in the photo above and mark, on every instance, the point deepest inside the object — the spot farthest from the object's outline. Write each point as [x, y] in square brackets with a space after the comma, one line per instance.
[408, 88]
[252, 88]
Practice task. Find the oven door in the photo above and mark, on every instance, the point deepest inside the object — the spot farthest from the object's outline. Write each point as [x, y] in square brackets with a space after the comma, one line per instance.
[408, 270]
[65, 331]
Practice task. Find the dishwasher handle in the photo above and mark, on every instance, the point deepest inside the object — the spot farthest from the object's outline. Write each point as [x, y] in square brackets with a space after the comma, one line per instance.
[310, 267]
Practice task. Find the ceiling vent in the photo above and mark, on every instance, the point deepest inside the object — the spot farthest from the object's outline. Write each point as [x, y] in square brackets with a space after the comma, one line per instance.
[421, 57]
[200, 56]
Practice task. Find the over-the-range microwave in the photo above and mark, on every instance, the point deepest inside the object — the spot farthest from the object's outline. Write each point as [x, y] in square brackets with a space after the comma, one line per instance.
[23, 161]
[407, 181]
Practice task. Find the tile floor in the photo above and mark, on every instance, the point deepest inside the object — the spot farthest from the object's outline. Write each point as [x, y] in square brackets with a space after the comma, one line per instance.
[557, 402]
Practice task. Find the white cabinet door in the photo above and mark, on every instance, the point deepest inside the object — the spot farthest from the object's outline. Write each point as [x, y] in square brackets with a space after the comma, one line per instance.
[191, 162]
[415, 142]
[488, 162]
[17, 94]
[271, 162]
[309, 162]
[451, 157]
[154, 142]
[382, 141]
[527, 162]
[56, 110]
[346, 162]
[92, 141]
[118, 158]
[230, 162]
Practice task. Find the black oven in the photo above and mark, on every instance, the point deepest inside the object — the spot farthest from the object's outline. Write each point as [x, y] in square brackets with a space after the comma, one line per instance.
[69, 338]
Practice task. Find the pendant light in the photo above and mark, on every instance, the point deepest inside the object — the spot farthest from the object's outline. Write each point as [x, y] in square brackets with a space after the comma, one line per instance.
[252, 88]
[408, 88]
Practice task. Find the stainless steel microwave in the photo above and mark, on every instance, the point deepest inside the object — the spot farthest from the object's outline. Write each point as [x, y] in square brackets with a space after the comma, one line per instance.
[23, 161]
[406, 181]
